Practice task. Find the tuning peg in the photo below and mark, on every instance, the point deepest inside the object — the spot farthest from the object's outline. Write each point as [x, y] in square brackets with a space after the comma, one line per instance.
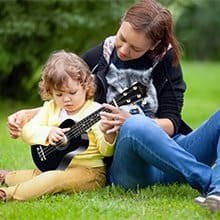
[144, 102]
[134, 87]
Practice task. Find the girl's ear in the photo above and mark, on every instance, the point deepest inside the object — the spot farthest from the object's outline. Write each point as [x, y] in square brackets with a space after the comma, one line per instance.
[86, 86]
[154, 46]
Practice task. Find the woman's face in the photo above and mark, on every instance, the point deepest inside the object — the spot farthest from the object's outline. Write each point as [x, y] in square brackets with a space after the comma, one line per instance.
[131, 44]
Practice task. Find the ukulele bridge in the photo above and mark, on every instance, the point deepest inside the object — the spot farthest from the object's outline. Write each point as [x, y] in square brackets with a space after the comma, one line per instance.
[41, 153]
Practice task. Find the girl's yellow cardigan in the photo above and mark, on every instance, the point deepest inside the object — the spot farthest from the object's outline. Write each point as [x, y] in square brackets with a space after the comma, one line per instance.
[37, 129]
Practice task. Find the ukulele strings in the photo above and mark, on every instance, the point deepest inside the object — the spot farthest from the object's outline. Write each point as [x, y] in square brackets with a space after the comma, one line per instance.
[73, 132]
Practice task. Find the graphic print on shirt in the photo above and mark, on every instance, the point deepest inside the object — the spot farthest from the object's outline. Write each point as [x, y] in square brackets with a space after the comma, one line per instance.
[119, 79]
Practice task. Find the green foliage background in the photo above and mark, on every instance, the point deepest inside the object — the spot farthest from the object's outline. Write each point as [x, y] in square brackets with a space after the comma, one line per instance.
[198, 28]
[31, 29]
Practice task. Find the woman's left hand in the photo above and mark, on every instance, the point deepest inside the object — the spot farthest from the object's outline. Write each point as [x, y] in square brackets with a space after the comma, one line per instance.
[111, 122]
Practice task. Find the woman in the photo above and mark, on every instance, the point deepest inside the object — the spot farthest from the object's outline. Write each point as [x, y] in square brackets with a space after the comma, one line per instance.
[155, 145]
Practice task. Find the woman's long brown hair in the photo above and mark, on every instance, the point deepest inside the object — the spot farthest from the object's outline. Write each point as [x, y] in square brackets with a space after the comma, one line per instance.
[156, 21]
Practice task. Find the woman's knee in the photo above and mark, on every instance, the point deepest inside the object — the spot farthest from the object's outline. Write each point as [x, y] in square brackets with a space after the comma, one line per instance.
[214, 120]
[217, 116]
[138, 125]
[137, 129]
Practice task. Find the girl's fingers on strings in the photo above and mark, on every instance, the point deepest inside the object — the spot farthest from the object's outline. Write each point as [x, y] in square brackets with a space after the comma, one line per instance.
[64, 130]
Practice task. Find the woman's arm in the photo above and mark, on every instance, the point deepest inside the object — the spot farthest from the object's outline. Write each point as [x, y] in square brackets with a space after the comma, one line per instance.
[166, 124]
[171, 87]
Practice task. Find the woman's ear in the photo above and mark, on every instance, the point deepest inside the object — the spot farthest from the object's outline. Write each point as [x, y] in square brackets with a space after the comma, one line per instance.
[154, 46]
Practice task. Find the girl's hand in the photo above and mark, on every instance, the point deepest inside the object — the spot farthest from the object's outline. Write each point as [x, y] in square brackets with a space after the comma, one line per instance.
[111, 122]
[57, 135]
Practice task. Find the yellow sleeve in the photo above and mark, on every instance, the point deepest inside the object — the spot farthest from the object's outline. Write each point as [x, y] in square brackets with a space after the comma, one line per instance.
[37, 129]
[105, 148]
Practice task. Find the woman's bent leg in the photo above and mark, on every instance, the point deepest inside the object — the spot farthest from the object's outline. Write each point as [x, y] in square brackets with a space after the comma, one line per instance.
[143, 149]
[204, 144]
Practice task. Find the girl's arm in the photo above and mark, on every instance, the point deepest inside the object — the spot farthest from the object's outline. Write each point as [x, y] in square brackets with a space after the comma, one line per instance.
[105, 142]
[37, 130]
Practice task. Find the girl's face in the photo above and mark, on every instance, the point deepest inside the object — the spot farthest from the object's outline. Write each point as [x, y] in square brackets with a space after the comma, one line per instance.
[131, 44]
[71, 97]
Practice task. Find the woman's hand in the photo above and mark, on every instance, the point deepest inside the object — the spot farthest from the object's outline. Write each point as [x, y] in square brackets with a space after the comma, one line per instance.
[111, 122]
[15, 123]
[17, 120]
[57, 135]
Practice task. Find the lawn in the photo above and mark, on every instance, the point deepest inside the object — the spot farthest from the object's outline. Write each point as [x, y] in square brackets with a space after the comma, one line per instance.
[158, 202]
[203, 91]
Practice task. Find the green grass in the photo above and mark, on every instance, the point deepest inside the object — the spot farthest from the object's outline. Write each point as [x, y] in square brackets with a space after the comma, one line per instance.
[158, 202]
[203, 91]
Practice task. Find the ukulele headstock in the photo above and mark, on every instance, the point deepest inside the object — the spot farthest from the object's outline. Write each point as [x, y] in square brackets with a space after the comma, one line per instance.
[132, 94]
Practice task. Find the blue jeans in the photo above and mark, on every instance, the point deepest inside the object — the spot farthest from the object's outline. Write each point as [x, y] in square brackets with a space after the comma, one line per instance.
[146, 155]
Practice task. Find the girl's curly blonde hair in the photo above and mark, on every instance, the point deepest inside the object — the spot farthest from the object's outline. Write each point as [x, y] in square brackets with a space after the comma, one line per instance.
[62, 66]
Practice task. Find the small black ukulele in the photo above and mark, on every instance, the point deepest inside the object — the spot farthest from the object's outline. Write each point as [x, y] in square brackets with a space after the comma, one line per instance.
[59, 156]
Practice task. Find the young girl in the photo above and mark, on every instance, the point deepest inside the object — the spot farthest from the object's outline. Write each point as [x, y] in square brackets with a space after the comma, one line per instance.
[67, 80]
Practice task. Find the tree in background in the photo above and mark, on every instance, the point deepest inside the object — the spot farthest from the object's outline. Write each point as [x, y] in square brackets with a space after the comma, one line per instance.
[198, 28]
[31, 30]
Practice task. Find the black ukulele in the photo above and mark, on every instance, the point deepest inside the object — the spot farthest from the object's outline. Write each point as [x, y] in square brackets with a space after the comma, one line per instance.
[58, 157]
